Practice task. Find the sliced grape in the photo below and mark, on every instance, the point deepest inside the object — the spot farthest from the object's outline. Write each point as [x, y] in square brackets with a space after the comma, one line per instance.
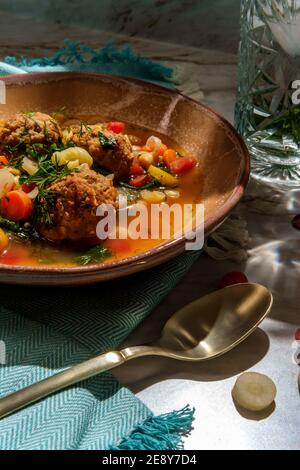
[254, 391]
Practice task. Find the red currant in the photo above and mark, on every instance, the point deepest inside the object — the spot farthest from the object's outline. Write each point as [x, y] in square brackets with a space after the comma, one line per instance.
[296, 222]
[235, 277]
[297, 335]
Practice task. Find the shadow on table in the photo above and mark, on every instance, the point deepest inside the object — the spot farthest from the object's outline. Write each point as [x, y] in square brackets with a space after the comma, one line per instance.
[255, 415]
[276, 264]
[143, 372]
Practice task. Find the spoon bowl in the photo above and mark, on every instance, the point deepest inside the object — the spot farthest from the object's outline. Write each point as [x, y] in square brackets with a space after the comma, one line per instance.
[202, 330]
[211, 325]
[217, 322]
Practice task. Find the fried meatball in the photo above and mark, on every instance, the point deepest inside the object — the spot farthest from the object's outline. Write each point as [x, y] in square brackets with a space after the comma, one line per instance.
[28, 129]
[112, 151]
[77, 197]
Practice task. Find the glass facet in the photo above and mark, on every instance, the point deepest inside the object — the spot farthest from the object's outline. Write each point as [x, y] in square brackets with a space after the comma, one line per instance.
[267, 110]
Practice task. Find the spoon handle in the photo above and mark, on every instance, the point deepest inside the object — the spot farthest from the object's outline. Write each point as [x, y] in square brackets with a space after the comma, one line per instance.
[67, 377]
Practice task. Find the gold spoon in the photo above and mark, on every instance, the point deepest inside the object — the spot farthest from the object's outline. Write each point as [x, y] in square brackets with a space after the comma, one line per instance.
[206, 328]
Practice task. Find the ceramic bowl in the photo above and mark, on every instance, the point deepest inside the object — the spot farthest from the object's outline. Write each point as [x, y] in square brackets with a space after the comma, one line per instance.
[220, 150]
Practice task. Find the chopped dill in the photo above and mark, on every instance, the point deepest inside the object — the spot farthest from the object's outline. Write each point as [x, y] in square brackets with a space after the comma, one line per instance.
[84, 127]
[45, 200]
[59, 112]
[43, 207]
[37, 151]
[94, 255]
[29, 114]
[46, 130]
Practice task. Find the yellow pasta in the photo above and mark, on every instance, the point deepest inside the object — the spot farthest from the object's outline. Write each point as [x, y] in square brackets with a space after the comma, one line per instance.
[72, 154]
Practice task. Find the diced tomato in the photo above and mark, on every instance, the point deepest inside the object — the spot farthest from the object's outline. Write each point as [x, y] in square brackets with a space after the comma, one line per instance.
[234, 277]
[27, 188]
[136, 169]
[182, 165]
[3, 160]
[169, 157]
[297, 335]
[138, 181]
[16, 205]
[116, 126]
[17, 254]
[118, 245]
[162, 150]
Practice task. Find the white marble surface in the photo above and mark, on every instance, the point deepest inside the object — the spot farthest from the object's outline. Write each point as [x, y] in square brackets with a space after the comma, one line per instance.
[274, 261]
[164, 384]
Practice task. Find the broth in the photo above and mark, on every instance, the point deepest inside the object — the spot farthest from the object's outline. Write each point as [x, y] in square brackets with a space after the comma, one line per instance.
[40, 252]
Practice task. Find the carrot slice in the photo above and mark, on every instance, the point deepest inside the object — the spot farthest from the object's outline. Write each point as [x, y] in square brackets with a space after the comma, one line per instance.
[3, 160]
[16, 205]
[162, 150]
[169, 156]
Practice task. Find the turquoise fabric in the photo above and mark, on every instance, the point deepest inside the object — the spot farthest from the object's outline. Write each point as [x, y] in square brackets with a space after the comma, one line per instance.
[46, 330]
[76, 57]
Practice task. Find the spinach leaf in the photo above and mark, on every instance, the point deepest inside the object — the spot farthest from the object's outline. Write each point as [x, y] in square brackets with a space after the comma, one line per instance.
[106, 142]
[22, 232]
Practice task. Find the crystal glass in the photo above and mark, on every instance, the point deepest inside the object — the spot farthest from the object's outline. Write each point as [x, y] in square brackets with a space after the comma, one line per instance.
[267, 110]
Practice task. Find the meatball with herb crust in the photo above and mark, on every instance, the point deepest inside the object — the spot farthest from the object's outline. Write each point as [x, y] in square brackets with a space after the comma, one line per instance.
[75, 201]
[25, 129]
[111, 151]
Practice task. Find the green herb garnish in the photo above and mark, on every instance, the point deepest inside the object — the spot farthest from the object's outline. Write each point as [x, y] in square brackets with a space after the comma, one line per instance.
[43, 207]
[84, 127]
[100, 169]
[47, 173]
[22, 232]
[16, 161]
[163, 167]
[59, 112]
[29, 114]
[94, 255]
[152, 184]
[37, 151]
[46, 132]
[106, 142]
[130, 193]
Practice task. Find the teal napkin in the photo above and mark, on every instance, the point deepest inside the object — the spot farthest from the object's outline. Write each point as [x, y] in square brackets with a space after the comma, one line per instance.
[76, 57]
[45, 330]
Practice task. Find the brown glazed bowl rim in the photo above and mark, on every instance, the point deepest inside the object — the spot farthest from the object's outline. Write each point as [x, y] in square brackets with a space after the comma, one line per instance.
[138, 262]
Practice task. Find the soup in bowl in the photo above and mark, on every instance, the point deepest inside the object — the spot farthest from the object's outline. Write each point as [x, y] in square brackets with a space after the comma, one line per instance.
[103, 176]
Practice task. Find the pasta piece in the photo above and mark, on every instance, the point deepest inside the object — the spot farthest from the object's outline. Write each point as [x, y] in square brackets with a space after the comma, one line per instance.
[29, 166]
[72, 154]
